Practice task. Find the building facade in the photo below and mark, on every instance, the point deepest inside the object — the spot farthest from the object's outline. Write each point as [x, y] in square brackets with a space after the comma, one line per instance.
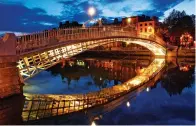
[146, 27]
[143, 24]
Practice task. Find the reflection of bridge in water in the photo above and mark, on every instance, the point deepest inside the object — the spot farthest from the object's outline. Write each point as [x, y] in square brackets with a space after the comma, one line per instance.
[41, 106]
[102, 69]
[42, 50]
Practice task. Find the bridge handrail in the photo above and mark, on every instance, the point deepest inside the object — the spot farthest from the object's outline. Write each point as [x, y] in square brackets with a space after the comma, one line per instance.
[52, 37]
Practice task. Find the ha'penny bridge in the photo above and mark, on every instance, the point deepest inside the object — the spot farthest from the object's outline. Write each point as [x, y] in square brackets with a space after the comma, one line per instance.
[42, 50]
[38, 51]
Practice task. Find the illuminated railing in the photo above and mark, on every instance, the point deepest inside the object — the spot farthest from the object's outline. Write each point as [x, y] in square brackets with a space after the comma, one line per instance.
[37, 61]
[49, 38]
[42, 50]
[41, 106]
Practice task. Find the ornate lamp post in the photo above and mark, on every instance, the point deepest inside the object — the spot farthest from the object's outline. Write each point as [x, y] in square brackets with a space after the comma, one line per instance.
[186, 40]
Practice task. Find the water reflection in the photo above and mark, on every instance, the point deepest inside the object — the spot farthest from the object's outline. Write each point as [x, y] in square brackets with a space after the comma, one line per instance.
[84, 75]
[95, 114]
[158, 104]
[148, 104]
[176, 79]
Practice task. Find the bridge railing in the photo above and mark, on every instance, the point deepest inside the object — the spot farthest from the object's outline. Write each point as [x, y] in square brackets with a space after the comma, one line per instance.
[54, 37]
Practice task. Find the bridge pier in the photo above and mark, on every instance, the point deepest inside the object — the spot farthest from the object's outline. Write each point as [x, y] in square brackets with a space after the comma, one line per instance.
[11, 105]
[9, 74]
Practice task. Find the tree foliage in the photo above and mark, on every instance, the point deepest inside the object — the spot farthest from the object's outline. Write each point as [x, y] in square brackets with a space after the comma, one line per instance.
[178, 23]
[115, 21]
[104, 21]
[67, 24]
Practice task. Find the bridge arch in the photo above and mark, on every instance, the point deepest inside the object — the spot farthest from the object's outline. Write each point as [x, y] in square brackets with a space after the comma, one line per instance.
[34, 62]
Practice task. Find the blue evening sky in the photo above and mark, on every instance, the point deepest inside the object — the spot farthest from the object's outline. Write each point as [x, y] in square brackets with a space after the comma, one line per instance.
[24, 16]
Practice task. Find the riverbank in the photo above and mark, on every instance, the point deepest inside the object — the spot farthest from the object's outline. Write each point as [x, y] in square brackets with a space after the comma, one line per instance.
[181, 52]
[115, 53]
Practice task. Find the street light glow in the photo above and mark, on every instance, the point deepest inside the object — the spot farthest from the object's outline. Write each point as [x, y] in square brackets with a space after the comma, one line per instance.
[91, 11]
[129, 20]
[93, 124]
[128, 104]
[147, 89]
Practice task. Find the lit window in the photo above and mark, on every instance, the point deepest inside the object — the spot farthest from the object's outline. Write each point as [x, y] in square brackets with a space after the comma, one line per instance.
[140, 29]
[150, 30]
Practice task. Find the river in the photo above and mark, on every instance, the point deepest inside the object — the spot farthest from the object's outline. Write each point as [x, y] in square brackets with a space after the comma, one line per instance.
[169, 100]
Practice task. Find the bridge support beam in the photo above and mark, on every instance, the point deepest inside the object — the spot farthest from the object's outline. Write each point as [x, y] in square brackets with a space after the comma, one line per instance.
[9, 76]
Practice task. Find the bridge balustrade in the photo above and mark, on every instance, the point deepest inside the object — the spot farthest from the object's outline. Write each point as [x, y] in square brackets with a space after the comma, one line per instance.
[54, 37]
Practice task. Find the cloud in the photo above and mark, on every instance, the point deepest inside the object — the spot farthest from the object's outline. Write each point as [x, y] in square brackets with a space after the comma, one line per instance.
[77, 10]
[31, 15]
[186, 5]
[117, 8]
[16, 17]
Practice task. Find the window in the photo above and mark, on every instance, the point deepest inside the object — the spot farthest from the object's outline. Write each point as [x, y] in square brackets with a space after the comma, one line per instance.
[140, 29]
[150, 30]
[150, 24]
[145, 24]
[145, 30]
[140, 24]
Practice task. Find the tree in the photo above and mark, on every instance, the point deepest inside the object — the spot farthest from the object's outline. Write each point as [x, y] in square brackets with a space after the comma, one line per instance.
[60, 24]
[178, 23]
[74, 24]
[67, 24]
[115, 21]
[104, 21]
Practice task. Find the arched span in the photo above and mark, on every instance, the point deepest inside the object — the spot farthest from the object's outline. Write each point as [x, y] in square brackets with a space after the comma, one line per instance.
[156, 49]
[34, 62]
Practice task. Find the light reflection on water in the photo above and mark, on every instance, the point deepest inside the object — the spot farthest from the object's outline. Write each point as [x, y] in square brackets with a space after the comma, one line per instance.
[155, 107]
[170, 101]
[83, 76]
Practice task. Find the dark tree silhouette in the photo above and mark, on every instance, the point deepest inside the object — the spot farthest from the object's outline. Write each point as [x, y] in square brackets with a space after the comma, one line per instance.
[115, 21]
[60, 24]
[178, 23]
[104, 21]
[174, 81]
[67, 24]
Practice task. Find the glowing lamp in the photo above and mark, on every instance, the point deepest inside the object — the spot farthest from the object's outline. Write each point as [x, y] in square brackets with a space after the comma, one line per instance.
[128, 104]
[129, 20]
[91, 11]
[93, 124]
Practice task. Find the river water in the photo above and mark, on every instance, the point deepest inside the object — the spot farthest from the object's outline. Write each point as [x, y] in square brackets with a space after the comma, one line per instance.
[170, 100]
[84, 75]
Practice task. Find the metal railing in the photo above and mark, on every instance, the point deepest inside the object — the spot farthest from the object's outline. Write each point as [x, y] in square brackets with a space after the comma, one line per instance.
[54, 37]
